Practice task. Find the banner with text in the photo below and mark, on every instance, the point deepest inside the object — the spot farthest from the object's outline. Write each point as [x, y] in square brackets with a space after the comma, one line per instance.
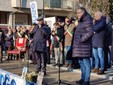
[7, 78]
[34, 12]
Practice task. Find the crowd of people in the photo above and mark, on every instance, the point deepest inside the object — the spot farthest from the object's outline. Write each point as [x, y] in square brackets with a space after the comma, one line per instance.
[85, 40]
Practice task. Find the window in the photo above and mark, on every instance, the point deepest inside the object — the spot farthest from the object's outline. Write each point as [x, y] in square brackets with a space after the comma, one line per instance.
[55, 3]
[47, 3]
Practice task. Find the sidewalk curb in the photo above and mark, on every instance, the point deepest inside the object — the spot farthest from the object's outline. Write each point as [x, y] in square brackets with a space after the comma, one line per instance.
[104, 76]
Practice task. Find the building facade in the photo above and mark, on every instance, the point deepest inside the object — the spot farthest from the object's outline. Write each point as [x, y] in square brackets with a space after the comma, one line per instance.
[17, 12]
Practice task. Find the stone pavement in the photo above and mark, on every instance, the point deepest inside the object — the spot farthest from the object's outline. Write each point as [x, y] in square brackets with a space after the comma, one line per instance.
[52, 73]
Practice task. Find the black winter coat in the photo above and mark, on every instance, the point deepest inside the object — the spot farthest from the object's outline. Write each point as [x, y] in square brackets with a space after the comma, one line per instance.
[60, 34]
[9, 40]
[82, 43]
[112, 46]
[40, 36]
[2, 37]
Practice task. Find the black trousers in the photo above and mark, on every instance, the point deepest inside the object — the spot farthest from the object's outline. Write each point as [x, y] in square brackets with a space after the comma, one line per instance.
[0, 53]
[106, 50]
[41, 61]
[48, 55]
[112, 52]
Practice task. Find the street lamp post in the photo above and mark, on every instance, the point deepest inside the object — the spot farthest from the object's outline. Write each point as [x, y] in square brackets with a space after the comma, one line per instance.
[43, 9]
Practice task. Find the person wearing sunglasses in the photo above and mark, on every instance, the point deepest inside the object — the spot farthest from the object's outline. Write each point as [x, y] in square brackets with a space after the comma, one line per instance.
[69, 27]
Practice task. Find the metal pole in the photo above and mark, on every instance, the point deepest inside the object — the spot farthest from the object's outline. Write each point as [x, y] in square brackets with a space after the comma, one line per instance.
[13, 16]
[43, 9]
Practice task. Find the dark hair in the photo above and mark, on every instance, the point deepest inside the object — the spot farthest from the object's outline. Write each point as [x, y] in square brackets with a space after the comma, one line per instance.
[56, 23]
[83, 9]
[59, 20]
[67, 18]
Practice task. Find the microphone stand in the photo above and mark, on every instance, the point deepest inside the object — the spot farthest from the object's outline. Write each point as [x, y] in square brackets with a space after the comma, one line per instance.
[28, 47]
[28, 55]
[59, 81]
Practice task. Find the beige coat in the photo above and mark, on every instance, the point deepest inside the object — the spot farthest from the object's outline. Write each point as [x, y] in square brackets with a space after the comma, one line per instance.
[68, 38]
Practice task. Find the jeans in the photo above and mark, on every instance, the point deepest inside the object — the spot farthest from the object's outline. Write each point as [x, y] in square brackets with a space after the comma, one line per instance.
[85, 66]
[67, 48]
[92, 62]
[98, 54]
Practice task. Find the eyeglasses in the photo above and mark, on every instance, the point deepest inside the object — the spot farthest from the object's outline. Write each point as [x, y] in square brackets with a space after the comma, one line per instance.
[78, 12]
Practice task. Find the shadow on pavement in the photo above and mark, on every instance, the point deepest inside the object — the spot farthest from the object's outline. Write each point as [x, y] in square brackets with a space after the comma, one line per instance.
[100, 81]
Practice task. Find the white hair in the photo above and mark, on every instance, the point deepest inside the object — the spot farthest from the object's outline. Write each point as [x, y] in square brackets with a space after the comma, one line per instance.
[99, 13]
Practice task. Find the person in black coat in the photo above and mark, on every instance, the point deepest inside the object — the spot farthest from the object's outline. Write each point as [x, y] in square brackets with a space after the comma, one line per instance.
[58, 36]
[2, 36]
[112, 45]
[30, 46]
[9, 40]
[107, 43]
[98, 42]
[40, 35]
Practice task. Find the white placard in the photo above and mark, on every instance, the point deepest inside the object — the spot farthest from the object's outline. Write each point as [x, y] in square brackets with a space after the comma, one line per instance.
[50, 21]
[34, 12]
[21, 40]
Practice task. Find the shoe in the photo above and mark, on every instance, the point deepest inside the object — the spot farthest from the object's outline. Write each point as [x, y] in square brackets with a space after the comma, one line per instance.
[100, 72]
[70, 66]
[1, 61]
[45, 73]
[80, 81]
[105, 69]
[66, 65]
[30, 61]
[95, 70]
[109, 66]
[48, 63]
[86, 83]
[33, 63]
[59, 65]
[37, 72]
[55, 64]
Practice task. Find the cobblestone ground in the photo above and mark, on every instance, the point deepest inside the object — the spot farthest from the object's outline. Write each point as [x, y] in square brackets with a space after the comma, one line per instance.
[52, 74]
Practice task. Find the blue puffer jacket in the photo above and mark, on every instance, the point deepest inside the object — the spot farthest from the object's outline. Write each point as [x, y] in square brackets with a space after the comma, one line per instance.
[99, 29]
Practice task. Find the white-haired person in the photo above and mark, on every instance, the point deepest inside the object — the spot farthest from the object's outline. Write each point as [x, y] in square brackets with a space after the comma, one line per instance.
[98, 42]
